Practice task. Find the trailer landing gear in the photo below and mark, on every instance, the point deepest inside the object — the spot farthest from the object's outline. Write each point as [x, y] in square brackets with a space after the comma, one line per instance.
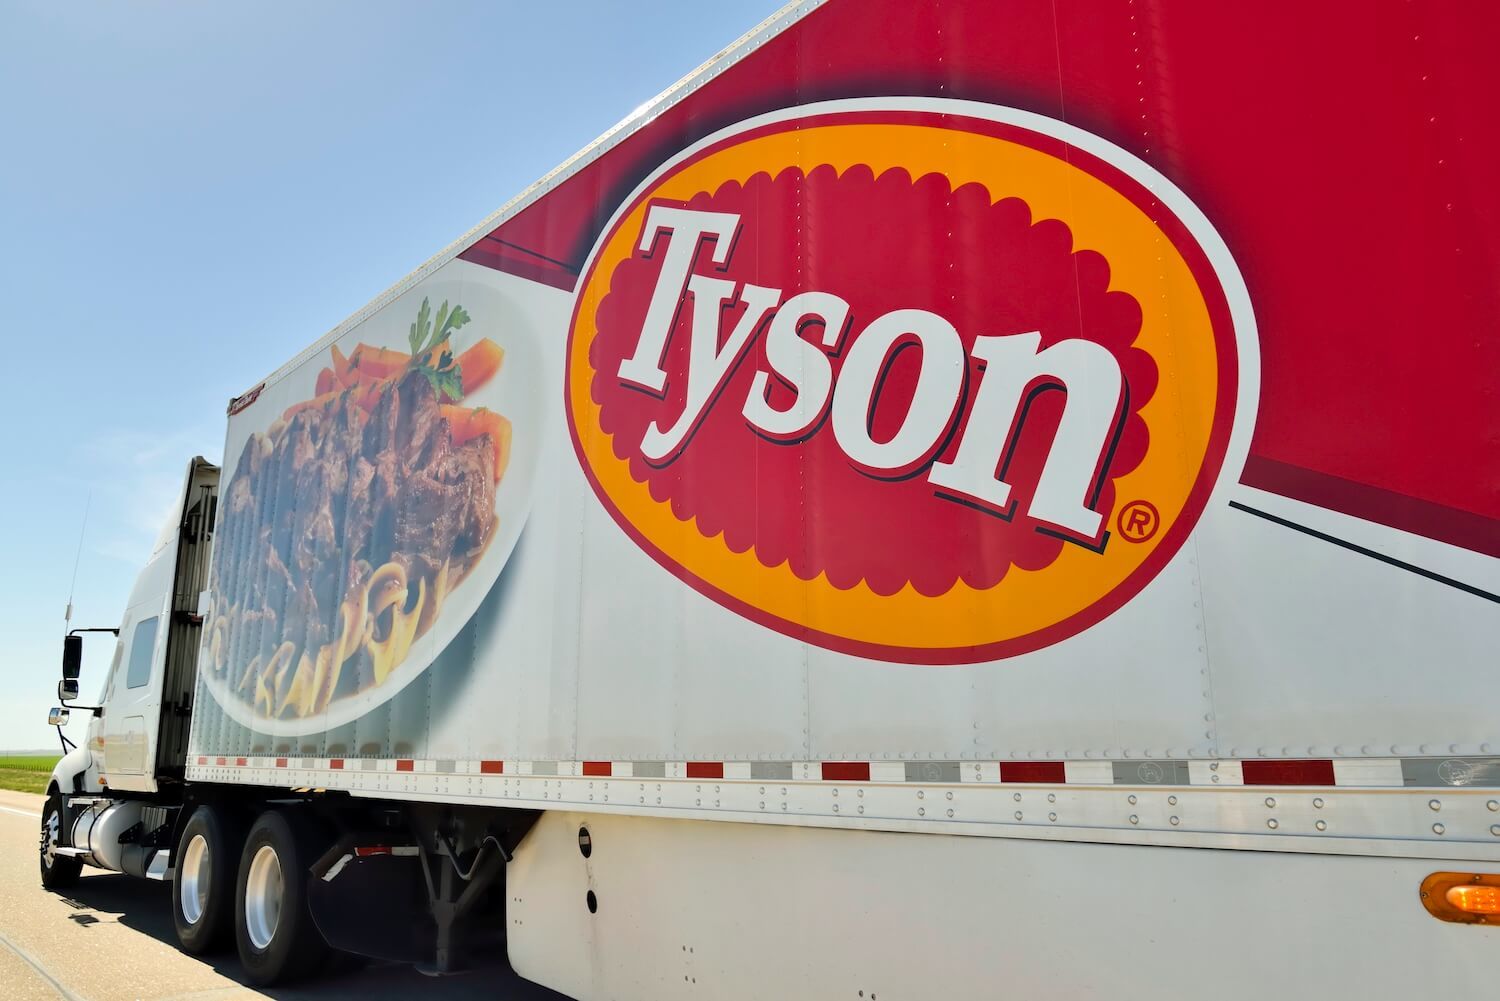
[453, 890]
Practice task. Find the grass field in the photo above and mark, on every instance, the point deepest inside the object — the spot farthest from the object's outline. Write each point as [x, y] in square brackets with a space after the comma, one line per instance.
[26, 772]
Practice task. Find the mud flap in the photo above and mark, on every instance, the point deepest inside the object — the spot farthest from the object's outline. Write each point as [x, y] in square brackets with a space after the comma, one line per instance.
[374, 907]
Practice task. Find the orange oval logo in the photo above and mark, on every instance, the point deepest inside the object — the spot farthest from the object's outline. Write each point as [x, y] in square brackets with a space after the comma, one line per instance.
[919, 381]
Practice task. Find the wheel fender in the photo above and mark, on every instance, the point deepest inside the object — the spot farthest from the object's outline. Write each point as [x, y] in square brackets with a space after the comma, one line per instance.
[67, 778]
[68, 772]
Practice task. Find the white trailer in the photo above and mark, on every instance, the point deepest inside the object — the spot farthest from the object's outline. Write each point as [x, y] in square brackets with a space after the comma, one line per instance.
[915, 511]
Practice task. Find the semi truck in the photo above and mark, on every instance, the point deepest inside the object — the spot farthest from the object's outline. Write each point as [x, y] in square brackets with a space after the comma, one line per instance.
[951, 499]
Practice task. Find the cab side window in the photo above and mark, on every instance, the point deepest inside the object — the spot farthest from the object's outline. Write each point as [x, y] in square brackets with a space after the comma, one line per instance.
[142, 645]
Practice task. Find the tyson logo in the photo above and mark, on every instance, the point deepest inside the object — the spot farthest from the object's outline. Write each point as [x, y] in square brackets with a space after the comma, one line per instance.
[919, 381]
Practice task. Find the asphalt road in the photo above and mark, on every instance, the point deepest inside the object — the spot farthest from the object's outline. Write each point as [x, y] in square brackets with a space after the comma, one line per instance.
[110, 938]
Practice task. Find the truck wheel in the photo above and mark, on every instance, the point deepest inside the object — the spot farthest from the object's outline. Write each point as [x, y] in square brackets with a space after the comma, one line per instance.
[204, 866]
[58, 871]
[274, 930]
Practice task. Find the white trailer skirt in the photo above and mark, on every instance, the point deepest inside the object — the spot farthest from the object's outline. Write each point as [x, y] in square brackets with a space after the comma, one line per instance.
[690, 909]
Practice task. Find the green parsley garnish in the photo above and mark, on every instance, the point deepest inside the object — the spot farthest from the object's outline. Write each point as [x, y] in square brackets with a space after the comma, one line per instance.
[430, 352]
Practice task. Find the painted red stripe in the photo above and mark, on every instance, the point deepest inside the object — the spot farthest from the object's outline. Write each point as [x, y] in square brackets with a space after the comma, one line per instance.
[280, 762]
[405, 765]
[705, 769]
[491, 767]
[240, 762]
[1052, 772]
[335, 762]
[1296, 772]
[846, 771]
[598, 768]
[202, 761]
[521, 262]
[220, 761]
[1468, 529]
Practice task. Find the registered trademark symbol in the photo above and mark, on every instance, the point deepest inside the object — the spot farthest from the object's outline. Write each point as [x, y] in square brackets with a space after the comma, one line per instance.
[1138, 521]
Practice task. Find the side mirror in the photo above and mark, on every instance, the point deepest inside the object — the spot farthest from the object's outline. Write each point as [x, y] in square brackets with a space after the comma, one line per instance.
[57, 717]
[67, 691]
[72, 657]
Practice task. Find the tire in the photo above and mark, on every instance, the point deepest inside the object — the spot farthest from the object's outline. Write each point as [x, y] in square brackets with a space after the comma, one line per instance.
[205, 865]
[278, 942]
[58, 871]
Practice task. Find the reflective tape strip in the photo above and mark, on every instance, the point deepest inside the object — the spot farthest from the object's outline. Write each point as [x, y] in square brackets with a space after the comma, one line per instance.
[1295, 772]
[1460, 772]
[1480, 772]
[1215, 810]
[1155, 772]
[1037, 772]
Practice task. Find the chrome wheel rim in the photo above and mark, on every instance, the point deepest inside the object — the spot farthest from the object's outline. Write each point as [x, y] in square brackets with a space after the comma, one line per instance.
[50, 829]
[192, 879]
[264, 890]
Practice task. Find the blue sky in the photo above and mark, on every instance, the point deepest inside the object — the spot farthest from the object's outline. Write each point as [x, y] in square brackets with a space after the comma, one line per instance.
[192, 192]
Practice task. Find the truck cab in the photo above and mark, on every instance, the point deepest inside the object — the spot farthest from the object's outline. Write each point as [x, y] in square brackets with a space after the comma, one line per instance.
[135, 747]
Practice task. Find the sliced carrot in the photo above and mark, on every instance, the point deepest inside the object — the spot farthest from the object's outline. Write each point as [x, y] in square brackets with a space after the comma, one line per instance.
[367, 392]
[377, 363]
[468, 423]
[483, 421]
[327, 382]
[316, 403]
[480, 363]
[340, 365]
[502, 449]
[458, 421]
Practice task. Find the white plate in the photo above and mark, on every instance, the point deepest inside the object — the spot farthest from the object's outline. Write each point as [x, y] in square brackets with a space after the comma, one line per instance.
[517, 393]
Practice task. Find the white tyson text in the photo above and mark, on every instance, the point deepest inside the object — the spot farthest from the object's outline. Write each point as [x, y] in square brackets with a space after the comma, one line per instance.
[1015, 368]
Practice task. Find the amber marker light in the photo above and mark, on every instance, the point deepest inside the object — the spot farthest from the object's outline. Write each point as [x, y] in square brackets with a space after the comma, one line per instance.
[1462, 897]
[1475, 899]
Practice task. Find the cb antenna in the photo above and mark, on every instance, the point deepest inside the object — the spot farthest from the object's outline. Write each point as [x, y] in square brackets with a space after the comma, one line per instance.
[72, 584]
